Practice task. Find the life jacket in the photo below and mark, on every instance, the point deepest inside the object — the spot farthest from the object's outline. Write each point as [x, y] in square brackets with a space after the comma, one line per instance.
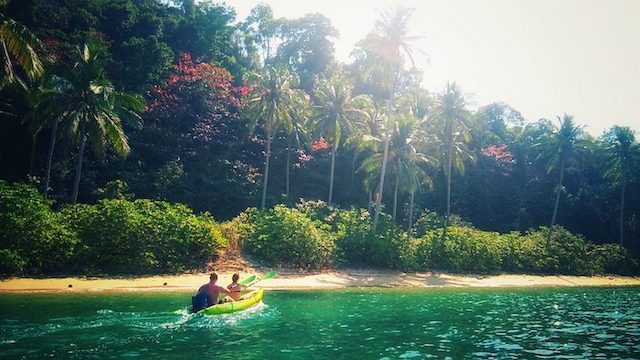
[199, 301]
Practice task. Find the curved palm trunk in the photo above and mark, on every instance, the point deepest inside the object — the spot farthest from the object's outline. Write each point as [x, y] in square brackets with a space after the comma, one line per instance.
[411, 198]
[289, 141]
[369, 200]
[558, 190]
[76, 181]
[395, 196]
[387, 139]
[333, 163]
[624, 184]
[266, 171]
[52, 143]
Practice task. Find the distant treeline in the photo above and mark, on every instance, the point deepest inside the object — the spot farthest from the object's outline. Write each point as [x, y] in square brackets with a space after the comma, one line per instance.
[190, 105]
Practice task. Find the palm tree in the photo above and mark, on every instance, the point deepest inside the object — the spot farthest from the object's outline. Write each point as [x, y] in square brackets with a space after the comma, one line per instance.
[337, 113]
[406, 156]
[86, 104]
[17, 46]
[390, 43]
[275, 103]
[296, 130]
[450, 122]
[42, 100]
[409, 144]
[624, 151]
[558, 148]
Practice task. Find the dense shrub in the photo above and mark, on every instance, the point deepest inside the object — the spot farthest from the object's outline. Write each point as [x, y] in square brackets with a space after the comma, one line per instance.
[431, 220]
[288, 237]
[237, 230]
[612, 259]
[356, 243]
[142, 236]
[458, 248]
[566, 253]
[33, 239]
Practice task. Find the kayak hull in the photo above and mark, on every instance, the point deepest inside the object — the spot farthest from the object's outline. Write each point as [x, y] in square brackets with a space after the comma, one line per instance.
[246, 301]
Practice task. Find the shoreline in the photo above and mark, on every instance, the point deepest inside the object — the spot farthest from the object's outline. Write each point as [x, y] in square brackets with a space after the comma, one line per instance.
[288, 280]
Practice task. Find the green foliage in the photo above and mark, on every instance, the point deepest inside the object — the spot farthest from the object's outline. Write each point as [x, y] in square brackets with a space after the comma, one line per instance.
[465, 249]
[237, 230]
[288, 237]
[142, 236]
[356, 244]
[431, 220]
[33, 239]
[115, 189]
[566, 253]
[612, 259]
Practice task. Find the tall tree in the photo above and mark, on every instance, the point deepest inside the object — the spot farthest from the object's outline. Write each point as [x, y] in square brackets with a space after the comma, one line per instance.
[558, 148]
[451, 123]
[273, 103]
[17, 46]
[88, 106]
[625, 151]
[337, 112]
[389, 44]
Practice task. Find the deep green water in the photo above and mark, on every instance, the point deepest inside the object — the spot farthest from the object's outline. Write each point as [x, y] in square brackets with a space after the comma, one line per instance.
[350, 324]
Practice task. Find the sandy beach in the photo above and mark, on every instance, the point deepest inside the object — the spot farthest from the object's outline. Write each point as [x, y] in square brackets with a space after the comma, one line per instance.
[288, 280]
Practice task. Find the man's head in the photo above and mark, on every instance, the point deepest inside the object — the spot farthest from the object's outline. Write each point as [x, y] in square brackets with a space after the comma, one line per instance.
[235, 278]
[213, 277]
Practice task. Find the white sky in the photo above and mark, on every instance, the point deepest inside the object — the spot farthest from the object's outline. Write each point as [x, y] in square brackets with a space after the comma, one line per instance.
[542, 57]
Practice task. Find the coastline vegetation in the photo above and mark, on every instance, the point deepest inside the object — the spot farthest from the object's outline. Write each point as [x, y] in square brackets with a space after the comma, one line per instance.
[127, 126]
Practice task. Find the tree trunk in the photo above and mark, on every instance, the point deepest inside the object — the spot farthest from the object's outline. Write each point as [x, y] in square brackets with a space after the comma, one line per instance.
[411, 198]
[333, 163]
[624, 184]
[370, 200]
[395, 196]
[267, 155]
[353, 171]
[289, 140]
[76, 181]
[387, 138]
[449, 166]
[32, 158]
[558, 190]
[52, 143]
[523, 193]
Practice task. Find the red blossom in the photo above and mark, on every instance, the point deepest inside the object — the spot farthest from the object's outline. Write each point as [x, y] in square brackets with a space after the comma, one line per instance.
[319, 144]
[199, 94]
[499, 153]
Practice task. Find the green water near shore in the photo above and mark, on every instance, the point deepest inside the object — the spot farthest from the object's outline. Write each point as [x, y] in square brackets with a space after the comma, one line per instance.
[351, 324]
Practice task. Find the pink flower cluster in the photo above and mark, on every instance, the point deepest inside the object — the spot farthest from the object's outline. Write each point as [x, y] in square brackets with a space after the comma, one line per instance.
[499, 153]
[320, 144]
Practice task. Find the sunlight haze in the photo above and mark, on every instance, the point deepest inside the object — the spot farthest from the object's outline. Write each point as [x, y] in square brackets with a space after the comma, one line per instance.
[544, 58]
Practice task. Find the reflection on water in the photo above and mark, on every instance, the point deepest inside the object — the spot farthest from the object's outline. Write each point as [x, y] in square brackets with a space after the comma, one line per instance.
[374, 324]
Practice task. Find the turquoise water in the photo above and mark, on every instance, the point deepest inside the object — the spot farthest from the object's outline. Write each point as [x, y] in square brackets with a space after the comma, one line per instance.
[567, 323]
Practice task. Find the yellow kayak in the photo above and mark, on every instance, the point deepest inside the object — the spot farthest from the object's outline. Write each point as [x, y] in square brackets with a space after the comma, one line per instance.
[246, 301]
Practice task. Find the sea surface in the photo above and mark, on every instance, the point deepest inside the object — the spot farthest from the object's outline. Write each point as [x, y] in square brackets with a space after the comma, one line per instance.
[441, 323]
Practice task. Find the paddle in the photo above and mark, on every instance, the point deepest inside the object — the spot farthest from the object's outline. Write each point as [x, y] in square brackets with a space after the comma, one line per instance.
[248, 280]
[266, 276]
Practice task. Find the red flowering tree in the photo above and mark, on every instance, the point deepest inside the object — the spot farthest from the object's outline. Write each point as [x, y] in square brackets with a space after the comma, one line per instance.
[499, 154]
[198, 101]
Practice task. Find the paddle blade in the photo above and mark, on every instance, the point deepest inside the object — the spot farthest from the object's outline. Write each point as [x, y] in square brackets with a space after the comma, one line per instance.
[248, 280]
[269, 275]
